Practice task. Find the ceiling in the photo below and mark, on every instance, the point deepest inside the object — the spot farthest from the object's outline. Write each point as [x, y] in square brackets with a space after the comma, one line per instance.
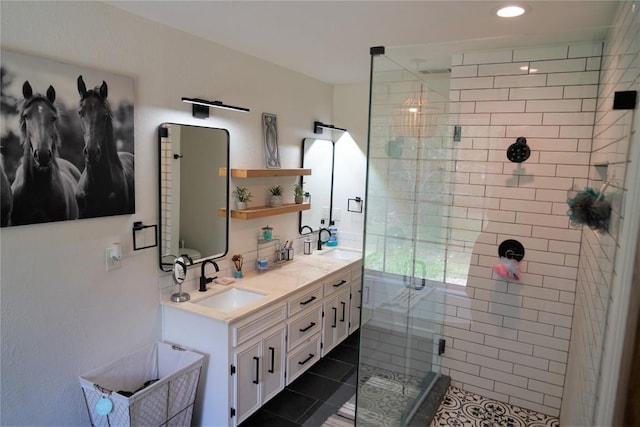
[330, 40]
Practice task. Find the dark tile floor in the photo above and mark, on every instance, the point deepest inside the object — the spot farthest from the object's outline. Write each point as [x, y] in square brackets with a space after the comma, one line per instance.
[315, 395]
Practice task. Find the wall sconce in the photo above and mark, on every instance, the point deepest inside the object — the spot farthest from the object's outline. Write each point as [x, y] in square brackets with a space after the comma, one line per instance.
[318, 126]
[200, 107]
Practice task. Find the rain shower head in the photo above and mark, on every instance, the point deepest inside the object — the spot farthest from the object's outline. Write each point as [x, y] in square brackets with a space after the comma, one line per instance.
[519, 151]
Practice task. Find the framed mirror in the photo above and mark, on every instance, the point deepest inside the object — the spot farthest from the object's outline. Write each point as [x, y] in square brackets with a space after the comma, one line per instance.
[191, 192]
[317, 155]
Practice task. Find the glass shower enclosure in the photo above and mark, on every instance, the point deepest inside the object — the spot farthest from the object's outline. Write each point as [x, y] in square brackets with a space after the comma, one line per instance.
[409, 255]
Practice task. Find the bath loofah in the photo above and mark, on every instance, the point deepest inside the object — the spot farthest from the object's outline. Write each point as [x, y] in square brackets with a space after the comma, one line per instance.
[508, 268]
[590, 207]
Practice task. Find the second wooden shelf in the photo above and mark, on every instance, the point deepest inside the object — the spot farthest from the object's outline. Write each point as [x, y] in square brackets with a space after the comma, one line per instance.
[263, 173]
[263, 211]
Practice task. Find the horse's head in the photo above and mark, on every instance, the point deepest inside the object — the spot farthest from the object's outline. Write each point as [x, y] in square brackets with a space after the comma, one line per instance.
[95, 117]
[38, 117]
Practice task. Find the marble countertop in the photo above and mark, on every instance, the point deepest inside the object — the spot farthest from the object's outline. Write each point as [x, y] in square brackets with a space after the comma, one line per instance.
[276, 284]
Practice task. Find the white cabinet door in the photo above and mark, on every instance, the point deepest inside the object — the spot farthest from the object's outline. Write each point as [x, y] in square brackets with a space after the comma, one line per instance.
[335, 325]
[247, 380]
[354, 310]
[273, 358]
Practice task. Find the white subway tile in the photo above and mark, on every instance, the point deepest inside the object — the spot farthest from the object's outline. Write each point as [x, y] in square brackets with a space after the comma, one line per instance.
[593, 64]
[549, 106]
[490, 362]
[534, 292]
[547, 306]
[571, 260]
[588, 105]
[512, 229]
[553, 270]
[516, 119]
[585, 145]
[484, 95]
[510, 192]
[543, 341]
[500, 106]
[511, 68]
[462, 107]
[539, 374]
[587, 49]
[515, 346]
[564, 247]
[499, 216]
[472, 83]
[558, 368]
[555, 402]
[542, 220]
[498, 297]
[555, 319]
[513, 311]
[560, 66]
[462, 334]
[522, 359]
[529, 80]
[572, 171]
[515, 131]
[522, 393]
[550, 353]
[471, 347]
[479, 316]
[540, 53]
[464, 71]
[580, 91]
[476, 202]
[471, 379]
[545, 388]
[503, 377]
[526, 325]
[532, 170]
[484, 131]
[559, 196]
[525, 206]
[478, 167]
[460, 366]
[578, 119]
[564, 333]
[497, 331]
[454, 95]
[539, 93]
[454, 353]
[568, 131]
[573, 79]
[542, 182]
[565, 157]
[456, 59]
[487, 57]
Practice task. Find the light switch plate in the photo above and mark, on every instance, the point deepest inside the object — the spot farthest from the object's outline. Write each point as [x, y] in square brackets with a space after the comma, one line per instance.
[110, 262]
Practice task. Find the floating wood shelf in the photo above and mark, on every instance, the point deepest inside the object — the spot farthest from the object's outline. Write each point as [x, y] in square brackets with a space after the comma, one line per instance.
[264, 173]
[263, 211]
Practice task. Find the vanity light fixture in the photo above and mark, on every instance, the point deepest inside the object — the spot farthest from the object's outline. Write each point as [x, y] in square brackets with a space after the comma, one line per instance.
[510, 11]
[318, 126]
[200, 107]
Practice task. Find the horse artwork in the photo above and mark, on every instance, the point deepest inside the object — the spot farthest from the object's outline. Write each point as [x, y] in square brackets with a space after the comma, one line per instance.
[45, 185]
[6, 198]
[107, 181]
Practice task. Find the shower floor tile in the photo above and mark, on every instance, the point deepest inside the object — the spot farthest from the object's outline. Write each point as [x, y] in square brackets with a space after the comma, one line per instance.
[464, 409]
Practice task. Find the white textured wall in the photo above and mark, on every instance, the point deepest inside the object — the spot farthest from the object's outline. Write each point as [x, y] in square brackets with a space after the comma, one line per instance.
[597, 274]
[62, 314]
[509, 340]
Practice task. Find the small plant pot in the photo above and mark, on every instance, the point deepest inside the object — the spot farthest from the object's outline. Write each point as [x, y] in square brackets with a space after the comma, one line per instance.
[241, 205]
[276, 200]
[299, 199]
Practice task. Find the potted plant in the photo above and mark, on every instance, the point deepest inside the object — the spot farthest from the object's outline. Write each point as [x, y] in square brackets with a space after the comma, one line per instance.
[242, 196]
[298, 193]
[276, 195]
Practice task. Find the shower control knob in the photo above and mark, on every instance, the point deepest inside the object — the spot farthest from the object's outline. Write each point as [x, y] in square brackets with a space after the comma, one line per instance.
[519, 151]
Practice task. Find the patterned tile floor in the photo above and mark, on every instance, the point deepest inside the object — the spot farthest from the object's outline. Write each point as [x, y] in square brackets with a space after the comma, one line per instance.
[461, 408]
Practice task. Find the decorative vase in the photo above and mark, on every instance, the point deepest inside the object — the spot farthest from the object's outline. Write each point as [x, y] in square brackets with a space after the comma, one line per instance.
[299, 199]
[276, 200]
[241, 205]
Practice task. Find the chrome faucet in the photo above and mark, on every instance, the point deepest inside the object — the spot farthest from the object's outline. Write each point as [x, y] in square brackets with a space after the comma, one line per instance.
[203, 276]
[320, 241]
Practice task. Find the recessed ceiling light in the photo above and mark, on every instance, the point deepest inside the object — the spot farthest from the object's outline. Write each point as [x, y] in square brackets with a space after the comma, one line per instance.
[510, 11]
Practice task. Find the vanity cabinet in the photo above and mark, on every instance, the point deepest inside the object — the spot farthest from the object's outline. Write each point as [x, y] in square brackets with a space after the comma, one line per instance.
[260, 368]
[336, 320]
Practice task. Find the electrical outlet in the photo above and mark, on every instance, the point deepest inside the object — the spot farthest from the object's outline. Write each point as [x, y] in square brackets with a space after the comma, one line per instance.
[113, 257]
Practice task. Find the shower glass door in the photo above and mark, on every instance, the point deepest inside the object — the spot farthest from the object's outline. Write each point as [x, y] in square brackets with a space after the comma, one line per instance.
[409, 166]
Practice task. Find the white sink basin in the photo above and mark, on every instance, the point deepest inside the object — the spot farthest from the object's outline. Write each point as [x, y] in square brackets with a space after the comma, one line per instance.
[343, 254]
[230, 300]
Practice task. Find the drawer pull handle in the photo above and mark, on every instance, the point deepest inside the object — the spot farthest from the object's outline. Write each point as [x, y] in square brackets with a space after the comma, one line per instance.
[343, 310]
[342, 282]
[257, 380]
[335, 316]
[307, 301]
[302, 362]
[311, 325]
[272, 350]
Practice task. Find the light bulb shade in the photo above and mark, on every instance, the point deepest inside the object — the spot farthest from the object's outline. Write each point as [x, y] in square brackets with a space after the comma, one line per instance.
[415, 119]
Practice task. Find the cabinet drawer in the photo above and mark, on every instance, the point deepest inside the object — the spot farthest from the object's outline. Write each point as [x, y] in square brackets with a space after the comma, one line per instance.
[305, 299]
[337, 282]
[304, 326]
[253, 325]
[303, 358]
